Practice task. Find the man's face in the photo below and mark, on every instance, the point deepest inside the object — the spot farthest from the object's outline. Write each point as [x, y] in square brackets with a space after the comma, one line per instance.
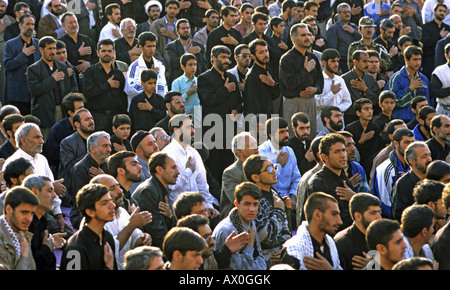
[250, 147]
[414, 62]
[247, 15]
[427, 123]
[388, 105]
[200, 208]
[337, 157]
[27, 28]
[373, 213]
[330, 219]
[103, 149]
[46, 196]
[350, 148]
[213, 20]
[345, 14]
[260, 26]
[367, 32]
[33, 142]
[388, 33]
[172, 10]
[423, 158]
[157, 263]
[247, 208]
[86, 124]
[374, 65]
[177, 105]
[129, 30]
[106, 53]
[22, 11]
[61, 55]
[154, 13]
[244, 58]
[302, 130]
[162, 139]
[231, 19]
[221, 62]
[104, 209]
[299, 13]
[191, 260]
[149, 48]
[132, 169]
[70, 25]
[280, 28]
[443, 132]
[14, 128]
[206, 232]
[397, 20]
[281, 137]
[363, 63]
[57, 8]
[366, 112]
[406, 140]
[49, 52]
[332, 65]
[149, 86]
[187, 132]
[261, 55]
[440, 13]
[396, 248]
[123, 131]
[21, 217]
[268, 174]
[191, 67]
[405, 46]
[313, 11]
[115, 191]
[148, 146]
[303, 38]
[3, 7]
[184, 31]
[170, 171]
[440, 211]
[336, 121]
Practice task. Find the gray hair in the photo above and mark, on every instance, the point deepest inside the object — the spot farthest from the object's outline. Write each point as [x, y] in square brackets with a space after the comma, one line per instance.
[155, 130]
[410, 151]
[35, 181]
[125, 20]
[238, 142]
[341, 6]
[23, 131]
[140, 258]
[92, 140]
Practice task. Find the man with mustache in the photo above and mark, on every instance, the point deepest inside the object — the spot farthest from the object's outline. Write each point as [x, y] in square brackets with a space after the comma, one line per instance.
[49, 83]
[418, 157]
[260, 89]
[301, 143]
[152, 196]
[112, 30]
[20, 52]
[332, 120]
[422, 131]
[50, 24]
[276, 149]
[360, 83]
[438, 143]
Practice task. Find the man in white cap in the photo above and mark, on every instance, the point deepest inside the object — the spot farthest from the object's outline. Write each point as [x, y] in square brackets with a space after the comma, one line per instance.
[153, 9]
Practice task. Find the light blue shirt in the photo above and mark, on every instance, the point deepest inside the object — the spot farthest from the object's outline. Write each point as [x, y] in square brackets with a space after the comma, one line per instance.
[182, 85]
[289, 175]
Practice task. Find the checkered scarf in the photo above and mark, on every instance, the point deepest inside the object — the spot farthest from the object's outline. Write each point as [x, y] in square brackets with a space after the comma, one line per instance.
[13, 235]
[300, 246]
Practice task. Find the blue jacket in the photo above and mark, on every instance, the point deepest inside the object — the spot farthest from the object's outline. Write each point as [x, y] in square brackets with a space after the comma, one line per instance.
[16, 63]
[399, 84]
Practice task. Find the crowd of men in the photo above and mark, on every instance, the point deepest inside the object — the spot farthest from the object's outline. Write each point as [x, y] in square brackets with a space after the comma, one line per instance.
[218, 134]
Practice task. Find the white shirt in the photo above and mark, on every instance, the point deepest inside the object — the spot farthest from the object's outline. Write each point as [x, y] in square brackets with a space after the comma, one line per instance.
[188, 180]
[107, 31]
[41, 167]
[341, 99]
[428, 13]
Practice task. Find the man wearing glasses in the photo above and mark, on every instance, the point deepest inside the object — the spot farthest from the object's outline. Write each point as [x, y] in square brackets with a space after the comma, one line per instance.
[242, 56]
[50, 24]
[175, 105]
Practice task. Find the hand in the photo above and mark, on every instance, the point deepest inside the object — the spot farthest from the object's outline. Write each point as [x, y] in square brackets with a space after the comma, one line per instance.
[113, 83]
[190, 163]
[108, 256]
[204, 5]
[359, 85]
[229, 40]
[116, 33]
[405, 30]
[119, 147]
[90, 6]
[84, 50]
[169, 33]
[241, 85]
[366, 136]
[144, 240]
[292, 202]
[146, 106]
[193, 49]
[81, 68]
[275, 258]
[355, 179]
[135, 51]
[356, 10]
[348, 28]
[344, 193]
[24, 246]
[443, 32]
[319, 263]
[309, 64]
[185, 4]
[393, 51]
[59, 187]
[283, 45]
[335, 88]
[320, 42]
[251, 236]
[59, 240]
[70, 71]
[28, 50]
[278, 202]
[359, 262]
[267, 79]
[309, 155]
[212, 212]
[58, 75]
[415, 83]
[283, 158]
[48, 240]
[381, 83]
[235, 243]
[139, 219]
[230, 86]
[308, 92]
[192, 89]
[164, 208]
[95, 171]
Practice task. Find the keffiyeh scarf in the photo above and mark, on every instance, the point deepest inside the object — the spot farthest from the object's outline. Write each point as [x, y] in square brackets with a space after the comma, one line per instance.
[13, 235]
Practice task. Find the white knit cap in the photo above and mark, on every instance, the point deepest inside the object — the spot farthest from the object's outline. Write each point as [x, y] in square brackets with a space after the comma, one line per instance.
[152, 3]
